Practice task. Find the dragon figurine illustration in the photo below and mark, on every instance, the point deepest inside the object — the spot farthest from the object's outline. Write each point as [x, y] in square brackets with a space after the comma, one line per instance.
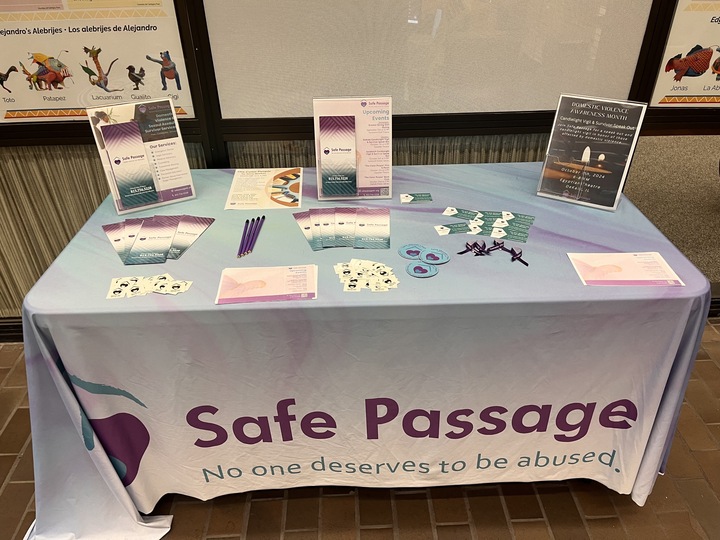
[99, 79]
[695, 63]
[168, 69]
[50, 74]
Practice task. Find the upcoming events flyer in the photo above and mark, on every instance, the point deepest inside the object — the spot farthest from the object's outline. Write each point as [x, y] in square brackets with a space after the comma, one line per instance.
[267, 284]
[143, 155]
[640, 269]
[591, 146]
[265, 189]
[353, 147]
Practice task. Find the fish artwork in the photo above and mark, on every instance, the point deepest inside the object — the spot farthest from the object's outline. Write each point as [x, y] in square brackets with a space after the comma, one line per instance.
[695, 63]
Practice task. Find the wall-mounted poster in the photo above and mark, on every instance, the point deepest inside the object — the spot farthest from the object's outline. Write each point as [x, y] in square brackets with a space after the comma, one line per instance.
[590, 149]
[690, 71]
[60, 57]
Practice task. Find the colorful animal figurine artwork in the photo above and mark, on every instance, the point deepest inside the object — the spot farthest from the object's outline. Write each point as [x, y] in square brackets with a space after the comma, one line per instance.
[695, 63]
[50, 74]
[168, 69]
[715, 68]
[4, 77]
[99, 79]
[136, 77]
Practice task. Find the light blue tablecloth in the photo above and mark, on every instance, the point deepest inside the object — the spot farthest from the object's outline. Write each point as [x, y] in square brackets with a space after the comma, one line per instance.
[488, 372]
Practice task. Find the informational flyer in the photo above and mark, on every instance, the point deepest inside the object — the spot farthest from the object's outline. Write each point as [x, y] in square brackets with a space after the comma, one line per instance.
[590, 149]
[143, 154]
[630, 269]
[690, 71]
[353, 147]
[267, 284]
[63, 56]
[254, 189]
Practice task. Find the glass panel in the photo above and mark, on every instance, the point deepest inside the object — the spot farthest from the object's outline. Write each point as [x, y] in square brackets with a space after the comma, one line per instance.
[432, 56]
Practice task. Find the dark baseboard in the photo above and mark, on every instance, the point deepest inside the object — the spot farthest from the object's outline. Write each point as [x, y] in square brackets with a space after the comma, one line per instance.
[11, 327]
[715, 301]
[11, 330]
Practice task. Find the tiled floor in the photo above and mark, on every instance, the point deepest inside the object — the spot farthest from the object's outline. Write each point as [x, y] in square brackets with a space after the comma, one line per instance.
[684, 504]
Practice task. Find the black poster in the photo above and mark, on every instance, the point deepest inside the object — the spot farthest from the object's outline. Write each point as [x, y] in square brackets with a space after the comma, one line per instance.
[591, 145]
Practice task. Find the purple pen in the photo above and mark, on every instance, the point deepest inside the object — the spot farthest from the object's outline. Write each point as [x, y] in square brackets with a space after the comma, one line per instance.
[246, 243]
[256, 234]
[242, 242]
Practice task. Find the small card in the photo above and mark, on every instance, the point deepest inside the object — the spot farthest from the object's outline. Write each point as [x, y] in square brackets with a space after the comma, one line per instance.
[412, 198]
[458, 228]
[359, 274]
[459, 213]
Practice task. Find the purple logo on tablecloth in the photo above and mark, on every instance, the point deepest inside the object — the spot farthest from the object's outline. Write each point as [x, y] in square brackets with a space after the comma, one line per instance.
[123, 436]
[125, 440]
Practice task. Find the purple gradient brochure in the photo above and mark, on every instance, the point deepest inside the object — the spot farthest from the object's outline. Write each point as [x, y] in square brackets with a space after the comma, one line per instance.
[353, 147]
[153, 241]
[189, 229]
[142, 153]
[372, 228]
[267, 284]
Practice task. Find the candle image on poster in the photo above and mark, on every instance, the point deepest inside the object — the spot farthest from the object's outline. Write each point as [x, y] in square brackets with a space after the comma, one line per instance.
[590, 148]
[60, 57]
[690, 70]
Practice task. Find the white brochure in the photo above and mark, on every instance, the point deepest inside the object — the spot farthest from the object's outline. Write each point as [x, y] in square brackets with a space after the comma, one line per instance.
[254, 189]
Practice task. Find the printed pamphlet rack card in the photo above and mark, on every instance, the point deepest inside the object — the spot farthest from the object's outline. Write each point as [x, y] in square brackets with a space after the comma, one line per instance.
[142, 153]
[353, 147]
[590, 150]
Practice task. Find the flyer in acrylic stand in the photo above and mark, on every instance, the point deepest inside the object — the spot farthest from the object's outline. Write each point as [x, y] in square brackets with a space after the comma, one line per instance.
[591, 146]
[353, 147]
[142, 153]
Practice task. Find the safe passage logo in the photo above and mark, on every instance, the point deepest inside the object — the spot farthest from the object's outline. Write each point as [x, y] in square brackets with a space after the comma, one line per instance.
[569, 423]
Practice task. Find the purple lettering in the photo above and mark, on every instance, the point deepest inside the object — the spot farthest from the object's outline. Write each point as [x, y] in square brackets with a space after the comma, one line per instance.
[623, 408]
[433, 428]
[582, 426]
[316, 420]
[372, 418]
[284, 418]
[543, 412]
[261, 422]
[465, 426]
[487, 417]
[193, 419]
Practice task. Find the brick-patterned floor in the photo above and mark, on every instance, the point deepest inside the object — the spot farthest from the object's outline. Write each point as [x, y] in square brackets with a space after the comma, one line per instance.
[684, 504]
